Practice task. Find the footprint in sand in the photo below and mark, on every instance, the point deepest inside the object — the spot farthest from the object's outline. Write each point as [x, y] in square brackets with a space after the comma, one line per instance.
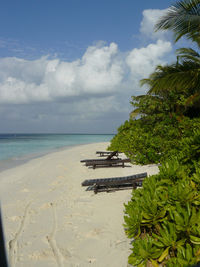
[13, 243]
[14, 218]
[93, 233]
[45, 206]
[59, 253]
[54, 185]
[41, 255]
[92, 260]
[25, 190]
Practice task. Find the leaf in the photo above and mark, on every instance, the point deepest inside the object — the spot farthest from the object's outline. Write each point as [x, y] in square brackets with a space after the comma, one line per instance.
[197, 253]
[195, 239]
[188, 252]
[193, 185]
[164, 254]
[154, 263]
[158, 243]
[181, 242]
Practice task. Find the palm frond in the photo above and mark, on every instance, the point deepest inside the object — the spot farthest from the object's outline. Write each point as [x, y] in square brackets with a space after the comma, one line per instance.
[183, 18]
[188, 54]
[187, 51]
[180, 77]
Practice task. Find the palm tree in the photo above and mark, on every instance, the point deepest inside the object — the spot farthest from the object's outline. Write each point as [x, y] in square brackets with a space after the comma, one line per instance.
[183, 18]
[183, 75]
[173, 88]
[180, 82]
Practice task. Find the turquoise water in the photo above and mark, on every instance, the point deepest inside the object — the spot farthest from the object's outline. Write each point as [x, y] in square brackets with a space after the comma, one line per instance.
[20, 146]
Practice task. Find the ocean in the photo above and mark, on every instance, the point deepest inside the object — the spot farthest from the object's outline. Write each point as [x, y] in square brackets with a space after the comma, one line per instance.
[16, 149]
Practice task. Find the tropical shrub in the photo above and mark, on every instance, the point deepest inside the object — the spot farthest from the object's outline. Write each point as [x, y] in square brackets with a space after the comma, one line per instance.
[163, 218]
[147, 140]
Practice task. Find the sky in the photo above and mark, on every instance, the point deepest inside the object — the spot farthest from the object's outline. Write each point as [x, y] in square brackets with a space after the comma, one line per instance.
[71, 66]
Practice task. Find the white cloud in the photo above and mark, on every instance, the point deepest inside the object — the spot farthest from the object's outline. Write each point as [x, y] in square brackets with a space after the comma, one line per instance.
[92, 92]
[97, 72]
[150, 18]
[101, 71]
[142, 61]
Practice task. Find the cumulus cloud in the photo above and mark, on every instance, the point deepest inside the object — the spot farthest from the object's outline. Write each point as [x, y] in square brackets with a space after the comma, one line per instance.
[143, 61]
[91, 91]
[150, 18]
[101, 71]
[97, 72]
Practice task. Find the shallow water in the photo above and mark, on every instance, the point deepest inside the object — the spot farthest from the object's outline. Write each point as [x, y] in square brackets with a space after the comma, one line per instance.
[16, 149]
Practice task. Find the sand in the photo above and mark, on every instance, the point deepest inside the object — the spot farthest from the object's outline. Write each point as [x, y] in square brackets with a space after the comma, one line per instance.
[50, 220]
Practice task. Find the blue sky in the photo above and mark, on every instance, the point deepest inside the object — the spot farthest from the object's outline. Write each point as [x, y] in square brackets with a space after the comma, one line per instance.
[72, 66]
[67, 28]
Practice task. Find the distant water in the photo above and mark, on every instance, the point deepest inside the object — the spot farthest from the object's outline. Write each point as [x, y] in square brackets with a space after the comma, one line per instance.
[16, 148]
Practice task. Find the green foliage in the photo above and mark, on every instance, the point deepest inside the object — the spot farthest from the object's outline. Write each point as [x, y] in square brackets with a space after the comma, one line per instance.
[183, 19]
[186, 256]
[163, 218]
[190, 150]
[148, 140]
[169, 112]
[144, 251]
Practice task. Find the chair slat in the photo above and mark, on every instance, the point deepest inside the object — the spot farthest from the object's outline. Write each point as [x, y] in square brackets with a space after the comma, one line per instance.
[116, 180]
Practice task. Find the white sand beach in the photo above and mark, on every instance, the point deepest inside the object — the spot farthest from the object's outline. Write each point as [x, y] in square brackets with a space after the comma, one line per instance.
[50, 220]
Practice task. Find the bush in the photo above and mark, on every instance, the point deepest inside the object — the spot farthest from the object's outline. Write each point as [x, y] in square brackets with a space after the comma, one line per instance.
[163, 217]
[147, 140]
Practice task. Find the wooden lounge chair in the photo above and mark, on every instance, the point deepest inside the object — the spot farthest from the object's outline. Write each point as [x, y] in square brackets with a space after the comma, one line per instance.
[107, 163]
[110, 156]
[107, 153]
[112, 184]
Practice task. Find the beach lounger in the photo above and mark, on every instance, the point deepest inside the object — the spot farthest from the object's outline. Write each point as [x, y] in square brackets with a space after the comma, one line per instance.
[113, 184]
[107, 153]
[92, 160]
[110, 156]
[107, 163]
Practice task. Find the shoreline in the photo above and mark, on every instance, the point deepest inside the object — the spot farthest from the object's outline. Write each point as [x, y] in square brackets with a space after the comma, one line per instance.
[50, 220]
[11, 163]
